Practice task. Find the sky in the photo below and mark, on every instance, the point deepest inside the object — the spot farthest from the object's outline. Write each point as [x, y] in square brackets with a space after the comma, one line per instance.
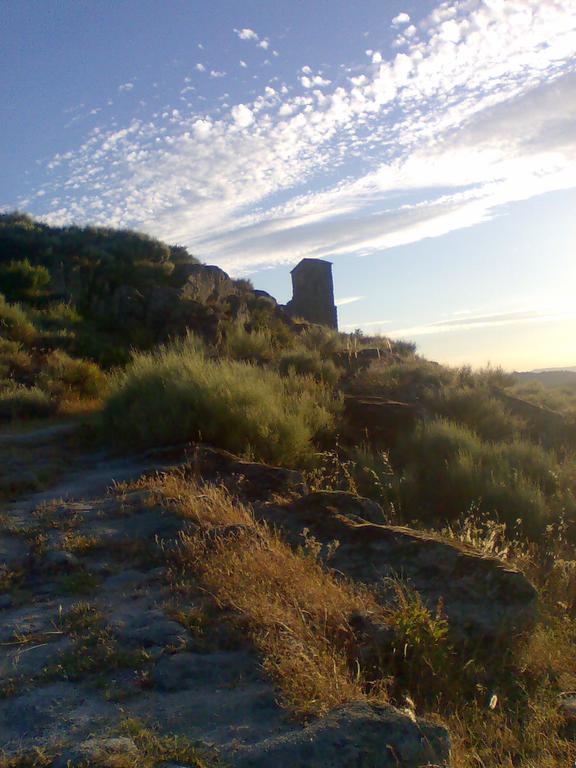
[428, 150]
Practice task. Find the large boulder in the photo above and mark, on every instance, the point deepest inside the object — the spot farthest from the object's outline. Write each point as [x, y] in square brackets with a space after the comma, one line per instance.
[357, 735]
[203, 283]
[484, 599]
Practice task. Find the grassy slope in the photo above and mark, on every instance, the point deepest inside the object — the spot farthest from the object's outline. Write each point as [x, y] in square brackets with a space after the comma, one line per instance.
[470, 468]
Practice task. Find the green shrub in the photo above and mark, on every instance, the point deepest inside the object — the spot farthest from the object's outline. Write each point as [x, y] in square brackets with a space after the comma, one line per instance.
[15, 362]
[20, 280]
[305, 362]
[478, 410]
[256, 346]
[64, 377]
[176, 394]
[407, 380]
[449, 469]
[20, 402]
[419, 656]
[322, 340]
[58, 316]
[15, 323]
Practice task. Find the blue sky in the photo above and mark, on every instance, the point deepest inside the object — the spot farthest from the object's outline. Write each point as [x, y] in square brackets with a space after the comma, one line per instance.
[427, 149]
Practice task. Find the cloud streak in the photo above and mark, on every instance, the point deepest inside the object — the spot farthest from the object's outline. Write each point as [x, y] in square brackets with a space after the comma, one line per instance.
[472, 323]
[441, 136]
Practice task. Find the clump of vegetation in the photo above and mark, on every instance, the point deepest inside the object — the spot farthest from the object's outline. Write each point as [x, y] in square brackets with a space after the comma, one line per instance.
[305, 362]
[20, 402]
[177, 394]
[256, 346]
[21, 281]
[64, 377]
[15, 323]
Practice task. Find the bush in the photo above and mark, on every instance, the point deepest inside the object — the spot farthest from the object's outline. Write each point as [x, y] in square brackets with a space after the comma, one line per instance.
[15, 362]
[407, 380]
[20, 402]
[20, 280]
[256, 346]
[176, 394]
[64, 377]
[59, 316]
[478, 410]
[305, 362]
[15, 323]
[322, 340]
[449, 470]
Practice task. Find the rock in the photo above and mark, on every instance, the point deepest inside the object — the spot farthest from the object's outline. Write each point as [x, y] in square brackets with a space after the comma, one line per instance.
[60, 560]
[263, 298]
[355, 508]
[567, 704]
[484, 598]
[256, 481]
[183, 670]
[161, 302]
[353, 735]
[29, 660]
[13, 552]
[203, 283]
[161, 633]
[5, 602]
[125, 581]
[237, 309]
[42, 715]
[99, 753]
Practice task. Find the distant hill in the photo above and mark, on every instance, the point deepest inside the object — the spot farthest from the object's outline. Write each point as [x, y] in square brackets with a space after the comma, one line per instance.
[551, 377]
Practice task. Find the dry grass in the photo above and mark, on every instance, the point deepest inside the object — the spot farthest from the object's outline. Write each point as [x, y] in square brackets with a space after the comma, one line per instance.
[294, 611]
[526, 729]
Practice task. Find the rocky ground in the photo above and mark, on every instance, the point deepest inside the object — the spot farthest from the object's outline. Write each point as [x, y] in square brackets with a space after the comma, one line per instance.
[107, 660]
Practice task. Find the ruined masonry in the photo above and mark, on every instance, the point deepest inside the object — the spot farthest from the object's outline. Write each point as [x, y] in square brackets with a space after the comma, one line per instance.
[313, 293]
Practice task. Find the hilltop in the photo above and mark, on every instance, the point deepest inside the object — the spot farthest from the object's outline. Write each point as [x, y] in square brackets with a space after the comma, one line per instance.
[232, 537]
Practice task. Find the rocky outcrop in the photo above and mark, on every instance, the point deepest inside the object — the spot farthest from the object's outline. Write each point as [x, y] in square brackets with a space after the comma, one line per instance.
[203, 283]
[354, 735]
[250, 479]
[484, 599]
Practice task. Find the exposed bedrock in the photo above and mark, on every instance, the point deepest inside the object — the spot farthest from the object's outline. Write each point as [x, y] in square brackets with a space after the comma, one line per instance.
[484, 599]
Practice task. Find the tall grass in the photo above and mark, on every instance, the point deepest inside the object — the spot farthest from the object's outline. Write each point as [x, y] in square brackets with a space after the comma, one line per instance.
[177, 394]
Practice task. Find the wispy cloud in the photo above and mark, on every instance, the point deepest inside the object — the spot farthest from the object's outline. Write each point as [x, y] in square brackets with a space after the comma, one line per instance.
[439, 137]
[472, 323]
[348, 300]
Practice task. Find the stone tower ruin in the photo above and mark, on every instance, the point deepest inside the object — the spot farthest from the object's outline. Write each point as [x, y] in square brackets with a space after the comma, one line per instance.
[313, 293]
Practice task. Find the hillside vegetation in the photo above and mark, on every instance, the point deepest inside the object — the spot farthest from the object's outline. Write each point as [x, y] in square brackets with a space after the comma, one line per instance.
[165, 352]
